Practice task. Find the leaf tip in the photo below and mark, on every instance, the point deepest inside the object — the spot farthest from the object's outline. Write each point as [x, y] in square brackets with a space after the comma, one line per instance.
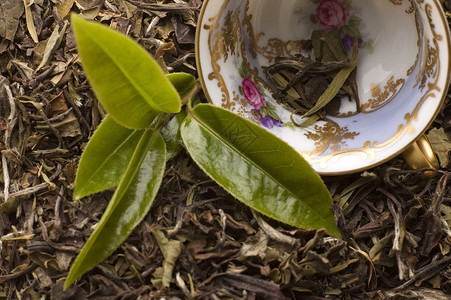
[334, 232]
[69, 280]
[76, 23]
[77, 194]
[75, 18]
[66, 285]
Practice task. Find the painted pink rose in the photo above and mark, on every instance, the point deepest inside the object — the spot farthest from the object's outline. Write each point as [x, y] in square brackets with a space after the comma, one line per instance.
[331, 14]
[252, 93]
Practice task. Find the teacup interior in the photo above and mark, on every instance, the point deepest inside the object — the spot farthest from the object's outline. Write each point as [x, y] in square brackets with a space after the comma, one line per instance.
[402, 64]
[390, 34]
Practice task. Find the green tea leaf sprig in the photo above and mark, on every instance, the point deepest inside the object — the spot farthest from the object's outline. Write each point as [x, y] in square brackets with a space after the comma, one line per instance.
[142, 130]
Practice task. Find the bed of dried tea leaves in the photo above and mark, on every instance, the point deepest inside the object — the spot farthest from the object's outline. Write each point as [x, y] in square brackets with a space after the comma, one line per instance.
[197, 242]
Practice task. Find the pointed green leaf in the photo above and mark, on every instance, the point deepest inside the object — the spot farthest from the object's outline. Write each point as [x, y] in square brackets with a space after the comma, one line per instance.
[126, 79]
[130, 203]
[183, 82]
[257, 168]
[111, 147]
[105, 158]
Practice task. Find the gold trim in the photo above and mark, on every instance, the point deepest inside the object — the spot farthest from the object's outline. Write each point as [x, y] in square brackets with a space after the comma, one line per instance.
[277, 48]
[331, 135]
[419, 27]
[380, 97]
[217, 51]
[396, 2]
[399, 2]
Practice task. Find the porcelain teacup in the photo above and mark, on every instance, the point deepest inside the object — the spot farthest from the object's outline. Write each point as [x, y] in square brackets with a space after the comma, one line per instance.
[402, 74]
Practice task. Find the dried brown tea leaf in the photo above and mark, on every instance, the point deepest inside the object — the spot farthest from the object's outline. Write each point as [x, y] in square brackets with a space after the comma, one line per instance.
[171, 250]
[265, 289]
[166, 49]
[58, 105]
[433, 220]
[185, 34]
[30, 23]
[42, 278]
[314, 264]
[10, 13]
[64, 7]
[87, 4]
[441, 145]
[419, 294]
[90, 13]
[310, 86]
[24, 70]
[327, 46]
[53, 43]
[254, 246]
[73, 292]
[336, 84]
[64, 259]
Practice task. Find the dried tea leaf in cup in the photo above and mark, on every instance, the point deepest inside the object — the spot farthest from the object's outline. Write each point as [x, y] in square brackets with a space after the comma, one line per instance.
[313, 86]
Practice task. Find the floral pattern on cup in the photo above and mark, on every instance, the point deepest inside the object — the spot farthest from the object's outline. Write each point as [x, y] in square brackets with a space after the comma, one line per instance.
[348, 41]
[336, 15]
[254, 95]
[267, 121]
[331, 14]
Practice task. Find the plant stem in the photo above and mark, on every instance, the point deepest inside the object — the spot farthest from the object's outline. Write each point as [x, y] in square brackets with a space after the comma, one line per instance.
[185, 100]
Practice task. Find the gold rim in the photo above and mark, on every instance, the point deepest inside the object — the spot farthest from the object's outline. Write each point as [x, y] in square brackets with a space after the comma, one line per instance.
[196, 49]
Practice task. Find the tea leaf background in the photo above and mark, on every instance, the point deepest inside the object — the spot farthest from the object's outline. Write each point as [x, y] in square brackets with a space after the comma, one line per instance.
[397, 224]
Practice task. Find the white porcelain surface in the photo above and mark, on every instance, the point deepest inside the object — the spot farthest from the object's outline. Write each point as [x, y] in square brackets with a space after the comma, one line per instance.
[402, 73]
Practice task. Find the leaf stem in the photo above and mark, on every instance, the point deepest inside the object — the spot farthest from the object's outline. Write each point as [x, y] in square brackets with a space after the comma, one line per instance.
[191, 94]
[185, 100]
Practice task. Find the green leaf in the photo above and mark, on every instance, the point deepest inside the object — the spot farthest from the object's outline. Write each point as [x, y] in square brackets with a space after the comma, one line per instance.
[264, 111]
[126, 79]
[241, 71]
[244, 71]
[105, 158]
[130, 203]
[354, 22]
[171, 135]
[257, 168]
[183, 82]
[110, 149]
[240, 89]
